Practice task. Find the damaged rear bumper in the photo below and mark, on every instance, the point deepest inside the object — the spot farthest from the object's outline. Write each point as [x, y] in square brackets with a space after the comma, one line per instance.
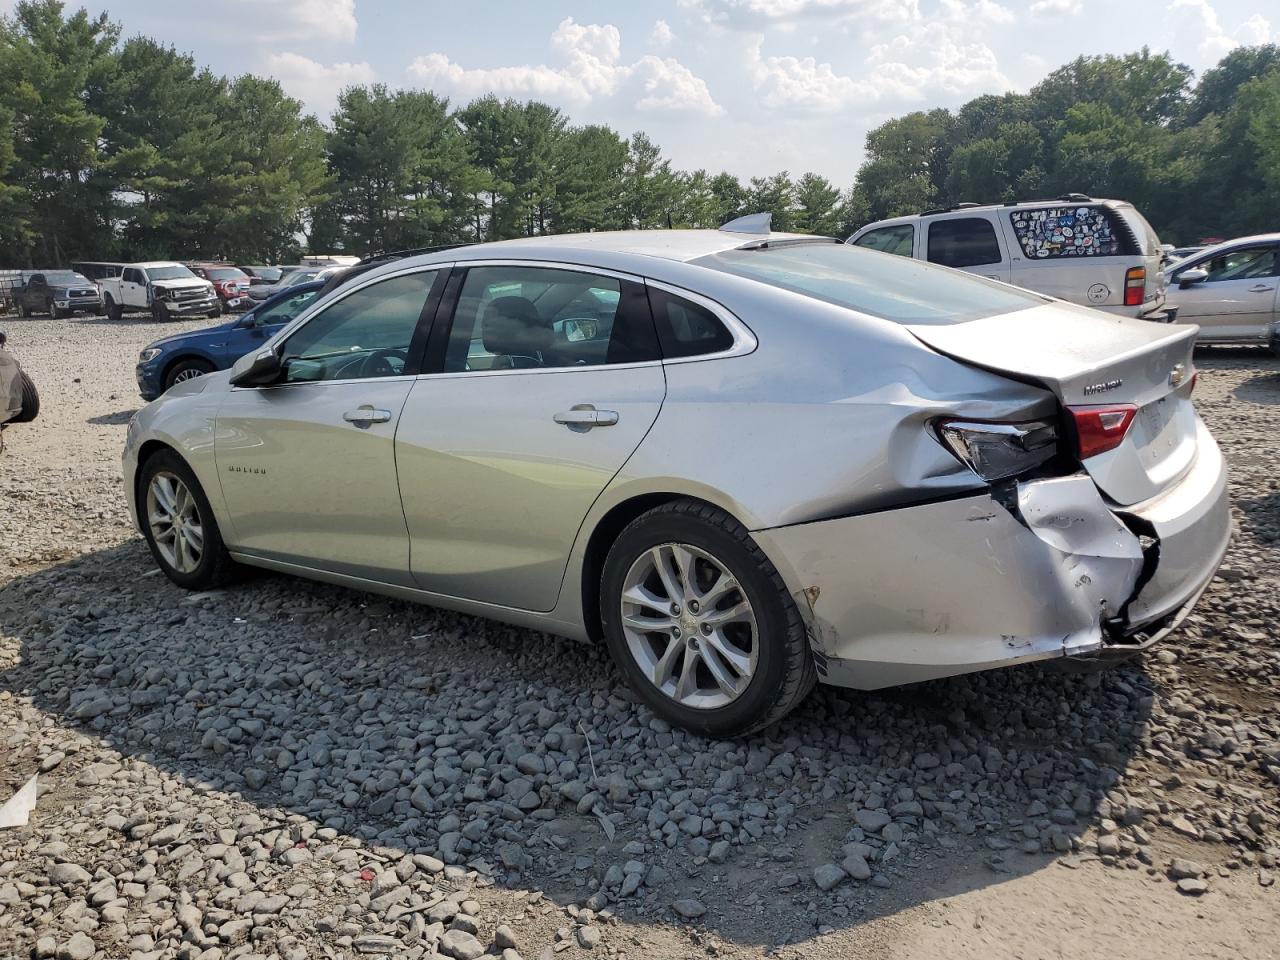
[1047, 570]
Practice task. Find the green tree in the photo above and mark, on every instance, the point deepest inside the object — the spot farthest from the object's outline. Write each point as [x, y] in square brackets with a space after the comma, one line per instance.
[649, 187]
[818, 208]
[589, 166]
[49, 66]
[1216, 91]
[904, 170]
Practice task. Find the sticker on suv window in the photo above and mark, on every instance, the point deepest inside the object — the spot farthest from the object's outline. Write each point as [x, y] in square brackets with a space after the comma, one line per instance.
[1066, 232]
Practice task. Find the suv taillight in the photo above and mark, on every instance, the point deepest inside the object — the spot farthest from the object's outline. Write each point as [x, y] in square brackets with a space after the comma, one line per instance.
[1135, 286]
[996, 451]
[1101, 428]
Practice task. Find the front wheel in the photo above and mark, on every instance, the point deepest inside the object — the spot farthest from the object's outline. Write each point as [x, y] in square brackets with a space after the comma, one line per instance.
[179, 525]
[187, 369]
[158, 312]
[701, 624]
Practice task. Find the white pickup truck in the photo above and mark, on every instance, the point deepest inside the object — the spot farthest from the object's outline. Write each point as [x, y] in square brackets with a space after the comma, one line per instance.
[165, 288]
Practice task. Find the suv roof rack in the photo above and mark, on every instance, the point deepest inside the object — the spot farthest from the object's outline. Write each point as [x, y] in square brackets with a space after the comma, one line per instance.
[962, 205]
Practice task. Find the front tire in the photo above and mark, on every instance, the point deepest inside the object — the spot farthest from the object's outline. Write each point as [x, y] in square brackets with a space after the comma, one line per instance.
[179, 526]
[30, 408]
[187, 369]
[158, 312]
[701, 624]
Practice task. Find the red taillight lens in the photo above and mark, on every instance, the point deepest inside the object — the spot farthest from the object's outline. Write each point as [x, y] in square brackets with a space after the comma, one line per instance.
[1101, 428]
[1135, 286]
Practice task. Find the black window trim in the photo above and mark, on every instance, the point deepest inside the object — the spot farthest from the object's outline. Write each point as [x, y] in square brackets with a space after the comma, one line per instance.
[969, 215]
[438, 342]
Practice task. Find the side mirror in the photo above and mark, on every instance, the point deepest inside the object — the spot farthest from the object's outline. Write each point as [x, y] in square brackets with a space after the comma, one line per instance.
[256, 369]
[247, 321]
[1187, 277]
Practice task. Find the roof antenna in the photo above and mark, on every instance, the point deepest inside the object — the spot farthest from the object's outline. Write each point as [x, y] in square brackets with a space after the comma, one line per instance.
[751, 223]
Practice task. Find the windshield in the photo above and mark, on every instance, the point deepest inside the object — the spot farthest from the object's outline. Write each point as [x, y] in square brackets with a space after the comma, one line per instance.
[65, 276]
[226, 273]
[300, 276]
[881, 284]
[175, 272]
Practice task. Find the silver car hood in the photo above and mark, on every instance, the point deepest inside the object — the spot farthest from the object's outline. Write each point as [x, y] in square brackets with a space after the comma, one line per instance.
[1084, 356]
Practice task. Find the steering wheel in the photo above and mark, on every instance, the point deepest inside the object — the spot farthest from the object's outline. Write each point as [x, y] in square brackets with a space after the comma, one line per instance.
[378, 363]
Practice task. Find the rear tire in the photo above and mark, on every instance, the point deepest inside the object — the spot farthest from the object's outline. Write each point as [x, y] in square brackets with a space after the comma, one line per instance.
[30, 408]
[115, 312]
[179, 526]
[187, 369]
[781, 671]
[24, 311]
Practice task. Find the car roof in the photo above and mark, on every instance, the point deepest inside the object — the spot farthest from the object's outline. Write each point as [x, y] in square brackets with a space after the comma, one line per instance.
[989, 207]
[633, 250]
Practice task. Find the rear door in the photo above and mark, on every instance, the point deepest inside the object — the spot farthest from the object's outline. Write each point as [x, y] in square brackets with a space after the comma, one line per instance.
[1237, 301]
[971, 243]
[541, 386]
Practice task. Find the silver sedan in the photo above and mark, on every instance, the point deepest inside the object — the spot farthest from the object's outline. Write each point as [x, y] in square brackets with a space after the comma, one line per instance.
[746, 462]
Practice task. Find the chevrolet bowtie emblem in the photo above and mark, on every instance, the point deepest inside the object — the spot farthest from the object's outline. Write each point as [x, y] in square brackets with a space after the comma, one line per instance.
[1177, 374]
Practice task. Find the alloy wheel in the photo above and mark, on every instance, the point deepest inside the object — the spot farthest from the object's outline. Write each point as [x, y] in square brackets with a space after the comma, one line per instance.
[187, 373]
[174, 520]
[689, 625]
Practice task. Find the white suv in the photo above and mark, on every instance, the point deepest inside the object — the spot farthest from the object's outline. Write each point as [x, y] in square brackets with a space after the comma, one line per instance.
[1099, 253]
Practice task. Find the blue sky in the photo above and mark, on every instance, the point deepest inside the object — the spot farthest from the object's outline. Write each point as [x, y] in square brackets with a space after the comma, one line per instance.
[748, 86]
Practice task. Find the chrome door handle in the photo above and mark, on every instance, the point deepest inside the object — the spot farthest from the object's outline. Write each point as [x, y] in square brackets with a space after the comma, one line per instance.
[585, 416]
[1260, 288]
[364, 415]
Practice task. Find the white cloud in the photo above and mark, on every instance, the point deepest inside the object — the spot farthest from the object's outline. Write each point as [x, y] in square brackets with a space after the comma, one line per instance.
[296, 20]
[905, 69]
[315, 84]
[1056, 8]
[976, 12]
[1197, 22]
[592, 70]
[662, 35]
[756, 14]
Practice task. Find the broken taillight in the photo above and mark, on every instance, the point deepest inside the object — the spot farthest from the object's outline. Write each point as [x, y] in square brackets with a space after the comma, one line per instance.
[1135, 286]
[996, 451]
[1101, 428]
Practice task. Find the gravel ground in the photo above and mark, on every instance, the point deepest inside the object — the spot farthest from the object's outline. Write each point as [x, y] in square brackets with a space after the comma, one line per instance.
[286, 769]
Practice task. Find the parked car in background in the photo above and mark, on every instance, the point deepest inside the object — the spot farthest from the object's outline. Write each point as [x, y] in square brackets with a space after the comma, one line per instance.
[231, 284]
[163, 363]
[579, 434]
[1231, 291]
[260, 276]
[59, 293]
[292, 279]
[165, 288]
[1097, 253]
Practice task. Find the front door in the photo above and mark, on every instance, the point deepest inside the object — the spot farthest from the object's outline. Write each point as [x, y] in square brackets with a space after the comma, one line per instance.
[968, 243]
[307, 465]
[133, 288]
[546, 383]
[1237, 301]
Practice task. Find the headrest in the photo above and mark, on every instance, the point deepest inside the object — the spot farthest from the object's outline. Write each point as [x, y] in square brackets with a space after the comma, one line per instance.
[511, 326]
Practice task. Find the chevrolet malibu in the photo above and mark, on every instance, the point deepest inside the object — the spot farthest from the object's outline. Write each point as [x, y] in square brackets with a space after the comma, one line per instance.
[745, 461]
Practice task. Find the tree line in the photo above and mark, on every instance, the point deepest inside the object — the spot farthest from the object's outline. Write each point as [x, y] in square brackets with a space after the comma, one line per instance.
[129, 149]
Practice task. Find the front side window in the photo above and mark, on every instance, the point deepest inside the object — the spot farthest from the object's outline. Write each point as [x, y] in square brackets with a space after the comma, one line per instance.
[892, 288]
[964, 242]
[366, 334]
[1249, 263]
[133, 275]
[511, 318]
[897, 240]
[1051, 232]
[285, 310]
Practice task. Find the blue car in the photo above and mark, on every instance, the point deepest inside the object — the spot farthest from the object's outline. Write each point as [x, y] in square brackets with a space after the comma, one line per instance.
[174, 359]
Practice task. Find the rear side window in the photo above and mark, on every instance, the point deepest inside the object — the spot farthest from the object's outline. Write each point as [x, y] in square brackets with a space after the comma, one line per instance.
[686, 329]
[964, 242]
[1070, 232]
[893, 288]
[898, 240]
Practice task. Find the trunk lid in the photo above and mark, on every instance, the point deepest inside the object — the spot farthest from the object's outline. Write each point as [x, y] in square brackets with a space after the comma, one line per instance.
[1086, 358]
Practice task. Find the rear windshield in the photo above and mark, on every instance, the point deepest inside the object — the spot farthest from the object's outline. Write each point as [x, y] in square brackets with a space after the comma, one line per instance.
[1053, 232]
[881, 284]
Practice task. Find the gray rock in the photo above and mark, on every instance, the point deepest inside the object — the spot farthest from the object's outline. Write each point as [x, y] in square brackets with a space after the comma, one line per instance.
[376, 943]
[1182, 869]
[856, 866]
[460, 945]
[1192, 887]
[69, 874]
[872, 821]
[588, 937]
[504, 937]
[78, 947]
[689, 909]
[828, 876]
